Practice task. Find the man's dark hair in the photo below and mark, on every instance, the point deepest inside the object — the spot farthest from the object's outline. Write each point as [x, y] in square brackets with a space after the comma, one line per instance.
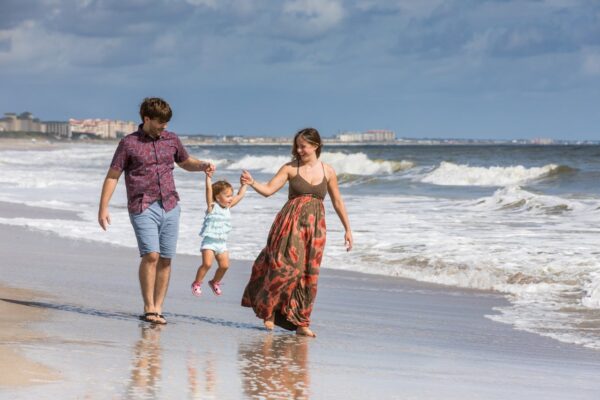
[155, 108]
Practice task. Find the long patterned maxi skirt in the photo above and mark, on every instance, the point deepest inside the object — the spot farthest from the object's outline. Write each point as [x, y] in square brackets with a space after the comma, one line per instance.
[284, 277]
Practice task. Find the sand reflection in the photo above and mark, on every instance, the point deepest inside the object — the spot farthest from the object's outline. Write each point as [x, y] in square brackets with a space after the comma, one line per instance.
[275, 367]
[146, 364]
[197, 373]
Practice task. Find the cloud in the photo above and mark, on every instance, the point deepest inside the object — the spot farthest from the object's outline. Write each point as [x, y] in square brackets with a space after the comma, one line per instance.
[436, 37]
[14, 12]
[311, 18]
[5, 44]
[591, 62]
[205, 3]
[495, 28]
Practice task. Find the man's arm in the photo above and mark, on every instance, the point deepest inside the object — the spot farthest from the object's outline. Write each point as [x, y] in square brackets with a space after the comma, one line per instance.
[193, 164]
[108, 188]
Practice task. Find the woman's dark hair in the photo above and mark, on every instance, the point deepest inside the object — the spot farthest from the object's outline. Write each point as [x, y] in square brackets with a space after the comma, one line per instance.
[219, 187]
[155, 108]
[311, 135]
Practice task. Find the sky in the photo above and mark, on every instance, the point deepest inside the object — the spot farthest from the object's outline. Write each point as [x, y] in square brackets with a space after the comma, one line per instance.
[502, 69]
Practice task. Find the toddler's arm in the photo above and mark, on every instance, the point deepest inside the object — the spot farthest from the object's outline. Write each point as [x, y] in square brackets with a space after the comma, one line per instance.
[239, 196]
[209, 192]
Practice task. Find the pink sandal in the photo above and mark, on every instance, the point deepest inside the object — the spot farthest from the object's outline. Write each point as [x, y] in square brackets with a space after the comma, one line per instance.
[196, 290]
[216, 287]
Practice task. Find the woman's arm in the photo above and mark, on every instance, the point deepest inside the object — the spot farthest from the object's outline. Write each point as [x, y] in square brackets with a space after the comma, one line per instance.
[267, 189]
[339, 206]
[239, 196]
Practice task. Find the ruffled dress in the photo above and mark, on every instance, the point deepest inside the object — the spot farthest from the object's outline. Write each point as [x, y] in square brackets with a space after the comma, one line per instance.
[217, 223]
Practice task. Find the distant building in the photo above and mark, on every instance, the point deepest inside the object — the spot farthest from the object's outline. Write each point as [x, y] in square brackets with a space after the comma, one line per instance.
[59, 128]
[542, 141]
[24, 122]
[103, 128]
[379, 136]
[368, 136]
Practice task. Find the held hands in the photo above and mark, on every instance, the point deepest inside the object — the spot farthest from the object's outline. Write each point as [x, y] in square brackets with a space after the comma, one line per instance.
[246, 178]
[210, 168]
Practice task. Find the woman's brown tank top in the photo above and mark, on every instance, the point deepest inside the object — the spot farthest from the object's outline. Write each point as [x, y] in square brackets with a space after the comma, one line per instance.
[298, 186]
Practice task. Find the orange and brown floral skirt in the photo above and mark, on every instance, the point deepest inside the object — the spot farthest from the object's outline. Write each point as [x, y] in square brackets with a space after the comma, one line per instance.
[285, 274]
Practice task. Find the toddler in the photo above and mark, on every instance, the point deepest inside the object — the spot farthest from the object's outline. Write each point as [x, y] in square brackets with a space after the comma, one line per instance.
[216, 227]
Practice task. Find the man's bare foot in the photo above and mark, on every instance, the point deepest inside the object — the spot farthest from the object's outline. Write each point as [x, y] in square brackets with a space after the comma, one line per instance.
[305, 331]
[269, 324]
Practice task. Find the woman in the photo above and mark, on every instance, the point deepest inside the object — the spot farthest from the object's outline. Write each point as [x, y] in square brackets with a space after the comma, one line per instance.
[283, 284]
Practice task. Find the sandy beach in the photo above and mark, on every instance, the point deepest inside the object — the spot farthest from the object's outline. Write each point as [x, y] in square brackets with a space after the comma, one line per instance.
[70, 330]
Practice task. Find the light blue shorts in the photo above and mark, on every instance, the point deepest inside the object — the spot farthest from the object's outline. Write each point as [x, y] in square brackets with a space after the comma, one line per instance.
[219, 246]
[156, 230]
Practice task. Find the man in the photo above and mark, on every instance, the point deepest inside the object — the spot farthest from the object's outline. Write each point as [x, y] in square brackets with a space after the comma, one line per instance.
[147, 157]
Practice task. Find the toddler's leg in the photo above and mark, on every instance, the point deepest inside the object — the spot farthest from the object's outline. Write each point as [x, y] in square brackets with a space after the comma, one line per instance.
[215, 283]
[223, 262]
[207, 260]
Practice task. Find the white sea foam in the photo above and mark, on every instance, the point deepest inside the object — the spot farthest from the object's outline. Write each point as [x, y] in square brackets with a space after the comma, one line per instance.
[267, 164]
[360, 164]
[517, 199]
[353, 164]
[591, 298]
[450, 174]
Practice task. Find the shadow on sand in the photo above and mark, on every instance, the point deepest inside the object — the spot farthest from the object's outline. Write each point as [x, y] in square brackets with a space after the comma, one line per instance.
[172, 317]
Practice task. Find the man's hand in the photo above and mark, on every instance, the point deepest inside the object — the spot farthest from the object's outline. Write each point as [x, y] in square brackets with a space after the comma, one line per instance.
[210, 169]
[104, 218]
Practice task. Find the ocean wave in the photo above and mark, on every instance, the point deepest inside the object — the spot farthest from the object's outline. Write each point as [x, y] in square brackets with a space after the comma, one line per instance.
[266, 164]
[450, 174]
[361, 164]
[517, 199]
[356, 164]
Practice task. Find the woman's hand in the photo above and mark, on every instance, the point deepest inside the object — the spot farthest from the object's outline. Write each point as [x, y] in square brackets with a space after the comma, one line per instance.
[348, 241]
[246, 178]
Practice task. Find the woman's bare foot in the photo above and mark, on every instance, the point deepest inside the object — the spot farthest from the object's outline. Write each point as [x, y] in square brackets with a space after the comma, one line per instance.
[269, 324]
[305, 331]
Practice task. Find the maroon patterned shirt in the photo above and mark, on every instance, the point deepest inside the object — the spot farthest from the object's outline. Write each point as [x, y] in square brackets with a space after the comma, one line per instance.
[148, 167]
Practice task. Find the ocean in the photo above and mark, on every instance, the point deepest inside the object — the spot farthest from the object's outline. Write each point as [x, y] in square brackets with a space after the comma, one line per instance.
[520, 220]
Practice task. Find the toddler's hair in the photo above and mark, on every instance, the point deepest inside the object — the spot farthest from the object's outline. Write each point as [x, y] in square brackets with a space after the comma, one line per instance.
[220, 186]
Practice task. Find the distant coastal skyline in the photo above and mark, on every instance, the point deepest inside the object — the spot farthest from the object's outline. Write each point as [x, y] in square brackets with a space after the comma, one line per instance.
[484, 69]
[108, 128]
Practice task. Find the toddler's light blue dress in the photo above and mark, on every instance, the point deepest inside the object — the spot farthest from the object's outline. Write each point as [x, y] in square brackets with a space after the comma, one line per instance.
[216, 228]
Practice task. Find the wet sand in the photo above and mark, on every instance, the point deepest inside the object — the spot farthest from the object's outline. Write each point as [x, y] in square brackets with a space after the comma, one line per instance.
[378, 337]
[15, 334]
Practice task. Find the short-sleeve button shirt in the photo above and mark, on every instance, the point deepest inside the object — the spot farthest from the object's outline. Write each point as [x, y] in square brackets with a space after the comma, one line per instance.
[148, 165]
